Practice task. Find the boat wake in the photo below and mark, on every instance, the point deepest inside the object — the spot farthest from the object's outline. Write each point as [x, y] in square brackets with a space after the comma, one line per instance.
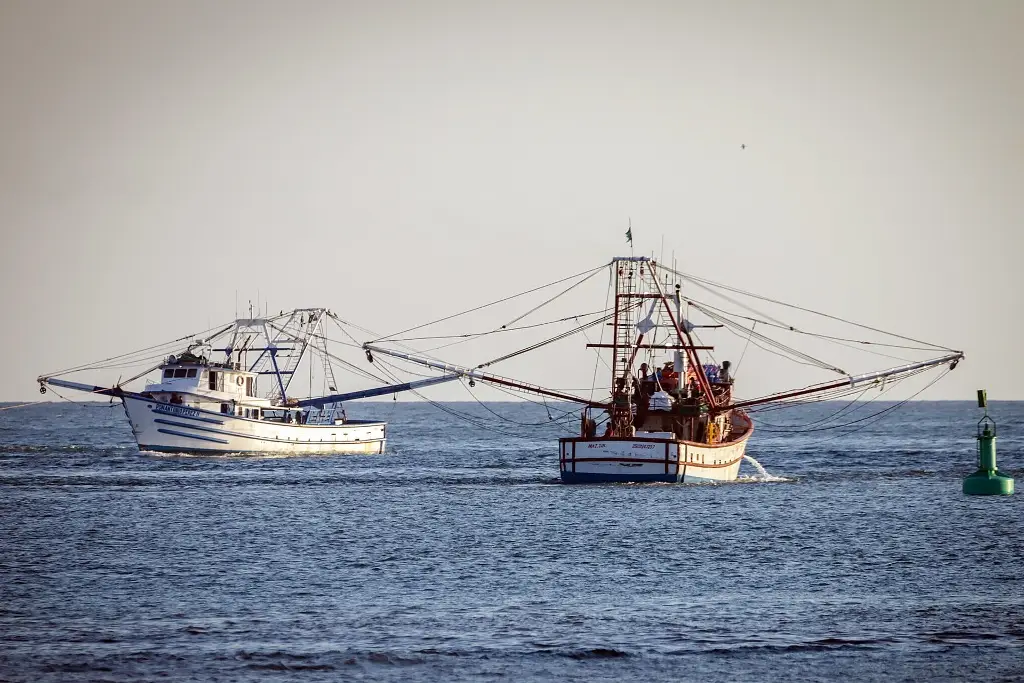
[762, 473]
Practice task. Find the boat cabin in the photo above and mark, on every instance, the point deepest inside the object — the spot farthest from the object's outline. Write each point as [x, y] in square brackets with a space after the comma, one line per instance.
[220, 387]
[194, 382]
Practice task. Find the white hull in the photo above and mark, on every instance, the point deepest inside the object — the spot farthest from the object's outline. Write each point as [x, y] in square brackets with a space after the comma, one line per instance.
[181, 429]
[637, 459]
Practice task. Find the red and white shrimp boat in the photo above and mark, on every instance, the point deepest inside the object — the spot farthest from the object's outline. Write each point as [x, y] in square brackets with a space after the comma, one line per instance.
[677, 419]
[660, 429]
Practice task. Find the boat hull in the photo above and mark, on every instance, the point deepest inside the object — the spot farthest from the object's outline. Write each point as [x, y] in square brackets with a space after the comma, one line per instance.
[638, 460]
[181, 429]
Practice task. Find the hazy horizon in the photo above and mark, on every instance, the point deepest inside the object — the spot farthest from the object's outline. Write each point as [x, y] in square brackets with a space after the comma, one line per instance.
[400, 161]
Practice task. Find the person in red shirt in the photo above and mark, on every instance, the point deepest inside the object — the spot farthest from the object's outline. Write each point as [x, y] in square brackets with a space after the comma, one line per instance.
[669, 378]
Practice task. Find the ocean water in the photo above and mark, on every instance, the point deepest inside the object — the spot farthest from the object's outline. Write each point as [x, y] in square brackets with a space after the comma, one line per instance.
[458, 556]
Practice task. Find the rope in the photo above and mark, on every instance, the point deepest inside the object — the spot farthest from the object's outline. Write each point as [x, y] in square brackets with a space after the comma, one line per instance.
[502, 417]
[556, 296]
[790, 328]
[476, 422]
[742, 355]
[97, 365]
[23, 405]
[80, 403]
[552, 340]
[807, 358]
[503, 328]
[799, 429]
[882, 413]
[708, 284]
[588, 273]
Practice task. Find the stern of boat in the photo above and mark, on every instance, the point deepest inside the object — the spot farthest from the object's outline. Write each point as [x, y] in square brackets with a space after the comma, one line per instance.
[640, 460]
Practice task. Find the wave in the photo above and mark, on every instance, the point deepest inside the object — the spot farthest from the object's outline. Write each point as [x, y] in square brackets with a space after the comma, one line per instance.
[818, 645]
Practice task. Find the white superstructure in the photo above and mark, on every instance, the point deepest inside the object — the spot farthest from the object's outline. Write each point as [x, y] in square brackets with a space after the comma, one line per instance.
[197, 407]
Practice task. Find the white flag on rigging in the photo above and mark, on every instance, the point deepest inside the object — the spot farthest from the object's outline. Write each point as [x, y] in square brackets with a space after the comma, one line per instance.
[647, 324]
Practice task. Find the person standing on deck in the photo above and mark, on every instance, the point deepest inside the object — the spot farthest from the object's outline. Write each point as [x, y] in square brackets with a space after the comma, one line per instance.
[622, 412]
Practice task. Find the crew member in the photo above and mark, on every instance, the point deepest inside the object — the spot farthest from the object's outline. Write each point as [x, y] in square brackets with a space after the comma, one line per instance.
[723, 375]
[622, 409]
[669, 378]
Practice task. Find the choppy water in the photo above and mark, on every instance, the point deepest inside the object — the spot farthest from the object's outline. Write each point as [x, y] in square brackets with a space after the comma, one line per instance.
[458, 556]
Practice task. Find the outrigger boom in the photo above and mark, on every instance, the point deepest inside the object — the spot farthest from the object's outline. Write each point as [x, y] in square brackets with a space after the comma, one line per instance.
[851, 381]
[378, 391]
[304, 403]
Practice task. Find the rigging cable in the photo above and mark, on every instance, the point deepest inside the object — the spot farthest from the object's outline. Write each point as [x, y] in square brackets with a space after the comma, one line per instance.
[556, 296]
[546, 423]
[800, 428]
[742, 355]
[882, 413]
[588, 273]
[838, 340]
[503, 328]
[470, 419]
[551, 340]
[710, 283]
[809, 360]
[22, 405]
[98, 364]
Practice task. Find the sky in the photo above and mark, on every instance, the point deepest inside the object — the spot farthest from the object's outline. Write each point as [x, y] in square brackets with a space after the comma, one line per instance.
[163, 163]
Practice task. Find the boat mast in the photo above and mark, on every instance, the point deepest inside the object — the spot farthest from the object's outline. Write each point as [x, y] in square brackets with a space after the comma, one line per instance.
[629, 297]
[615, 327]
[684, 337]
[677, 358]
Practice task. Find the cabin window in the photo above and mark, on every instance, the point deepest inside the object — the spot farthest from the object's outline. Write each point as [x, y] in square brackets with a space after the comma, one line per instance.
[180, 372]
[213, 380]
[247, 412]
[224, 408]
[248, 386]
[168, 373]
[191, 372]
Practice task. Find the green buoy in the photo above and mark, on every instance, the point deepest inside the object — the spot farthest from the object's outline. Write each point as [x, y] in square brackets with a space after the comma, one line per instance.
[988, 480]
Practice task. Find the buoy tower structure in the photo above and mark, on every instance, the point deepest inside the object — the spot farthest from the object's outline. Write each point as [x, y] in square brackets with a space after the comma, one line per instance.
[987, 480]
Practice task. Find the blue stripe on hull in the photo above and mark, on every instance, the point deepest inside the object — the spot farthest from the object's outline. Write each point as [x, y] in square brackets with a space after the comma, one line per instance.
[601, 478]
[191, 436]
[181, 450]
[240, 435]
[152, 404]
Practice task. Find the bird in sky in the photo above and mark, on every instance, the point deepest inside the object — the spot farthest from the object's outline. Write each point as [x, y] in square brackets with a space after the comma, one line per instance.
[743, 146]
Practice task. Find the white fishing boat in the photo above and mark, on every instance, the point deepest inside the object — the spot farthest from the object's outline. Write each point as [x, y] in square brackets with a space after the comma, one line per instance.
[195, 404]
[670, 416]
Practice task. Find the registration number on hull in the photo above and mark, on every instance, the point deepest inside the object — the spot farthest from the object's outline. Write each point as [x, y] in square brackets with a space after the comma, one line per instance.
[176, 410]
